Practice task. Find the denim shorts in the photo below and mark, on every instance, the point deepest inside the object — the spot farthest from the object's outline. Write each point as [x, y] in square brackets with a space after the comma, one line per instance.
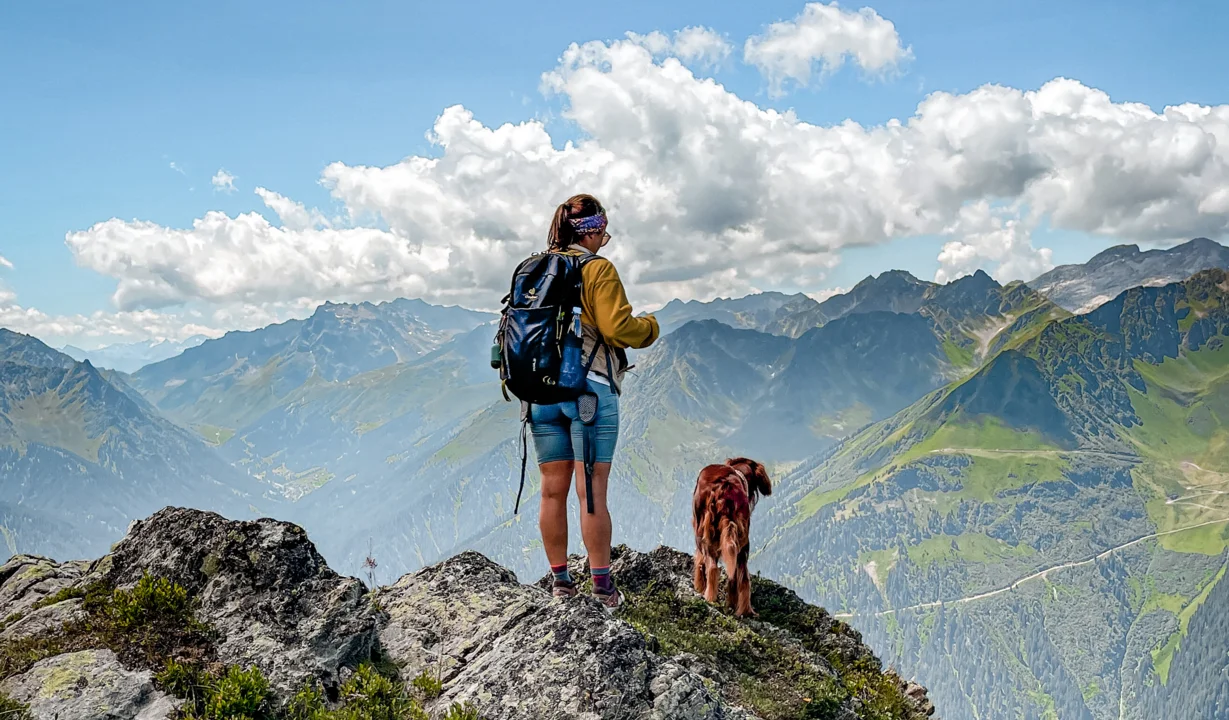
[557, 428]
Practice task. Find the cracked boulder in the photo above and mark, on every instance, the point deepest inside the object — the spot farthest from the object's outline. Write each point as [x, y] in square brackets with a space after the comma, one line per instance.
[515, 652]
[28, 584]
[88, 685]
[263, 586]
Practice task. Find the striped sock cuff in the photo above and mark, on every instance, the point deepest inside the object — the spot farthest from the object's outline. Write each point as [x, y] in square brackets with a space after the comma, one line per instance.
[601, 579]
[561, 572]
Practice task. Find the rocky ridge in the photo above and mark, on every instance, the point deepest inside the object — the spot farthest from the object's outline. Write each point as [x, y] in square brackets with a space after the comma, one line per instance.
[256, 594]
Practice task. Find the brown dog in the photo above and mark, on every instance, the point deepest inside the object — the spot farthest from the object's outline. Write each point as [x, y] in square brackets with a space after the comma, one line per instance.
[722, 503]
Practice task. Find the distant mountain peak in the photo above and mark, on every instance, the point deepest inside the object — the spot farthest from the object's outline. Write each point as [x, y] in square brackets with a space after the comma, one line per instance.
[1081, 288]
[890, 277]
[1117, 252]
[979, 279]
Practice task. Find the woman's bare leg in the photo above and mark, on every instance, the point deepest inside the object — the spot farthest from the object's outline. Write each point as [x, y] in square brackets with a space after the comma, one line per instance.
[595, 528]
[553, 518]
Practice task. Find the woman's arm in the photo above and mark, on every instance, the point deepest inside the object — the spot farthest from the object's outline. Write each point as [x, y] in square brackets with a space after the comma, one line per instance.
[606, 302]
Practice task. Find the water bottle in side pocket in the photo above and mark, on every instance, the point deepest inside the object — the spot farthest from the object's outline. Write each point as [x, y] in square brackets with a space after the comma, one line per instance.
[572, 367]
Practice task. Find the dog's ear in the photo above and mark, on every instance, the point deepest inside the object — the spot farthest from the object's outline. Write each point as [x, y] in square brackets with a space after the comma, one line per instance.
[760, 475]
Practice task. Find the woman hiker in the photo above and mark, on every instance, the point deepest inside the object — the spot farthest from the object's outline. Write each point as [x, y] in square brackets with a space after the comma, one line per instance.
[608, 327]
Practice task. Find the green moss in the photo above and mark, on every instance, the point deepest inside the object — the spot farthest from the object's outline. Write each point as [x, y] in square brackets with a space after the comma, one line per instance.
[152, 625]
[10, 709]
[770, 676]
[143, 626]
[68, 593]
[17, 656]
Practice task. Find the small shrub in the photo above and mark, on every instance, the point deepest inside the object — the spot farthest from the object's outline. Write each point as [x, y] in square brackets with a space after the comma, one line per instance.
[68, 593]
[147, 624]
[462, 712]
[186, 682]
[427, 685]
[153, 602]
[307, 704]
[240, 694]
[16, 656]
[368, 695]
[10, 709]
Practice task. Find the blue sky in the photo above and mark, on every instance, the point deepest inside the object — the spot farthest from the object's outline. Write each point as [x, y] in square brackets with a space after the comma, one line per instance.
[101, 98]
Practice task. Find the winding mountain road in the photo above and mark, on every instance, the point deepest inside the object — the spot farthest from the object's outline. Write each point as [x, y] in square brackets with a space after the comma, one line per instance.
[1027, 578]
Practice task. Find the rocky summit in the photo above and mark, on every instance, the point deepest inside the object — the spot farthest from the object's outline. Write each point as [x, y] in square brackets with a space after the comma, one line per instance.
[195, 616]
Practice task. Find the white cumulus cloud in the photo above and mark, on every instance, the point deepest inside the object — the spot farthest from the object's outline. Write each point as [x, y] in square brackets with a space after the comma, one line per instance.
[990, 236]
[223, 181]
[99, 327]
[824, 35]
[709, 194]
[293, 215]
[695, 46]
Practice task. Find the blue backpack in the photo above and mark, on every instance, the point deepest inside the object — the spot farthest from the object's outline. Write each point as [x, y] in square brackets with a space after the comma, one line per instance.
[538, 346]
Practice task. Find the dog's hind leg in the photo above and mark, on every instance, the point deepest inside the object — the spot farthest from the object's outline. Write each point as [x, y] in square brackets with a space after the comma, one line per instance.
[700, 574]
[738, 582]
[712, 578]
[742, 581]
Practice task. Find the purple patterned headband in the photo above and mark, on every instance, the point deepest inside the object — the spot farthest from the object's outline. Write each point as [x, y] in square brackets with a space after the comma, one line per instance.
[591, 224]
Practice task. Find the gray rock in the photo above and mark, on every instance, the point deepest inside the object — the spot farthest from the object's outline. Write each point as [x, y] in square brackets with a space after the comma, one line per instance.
[27, 579]
[1081, 288]
[511, 650]
[43, 620]
[516, 653]
[263, 587]
[88, 685]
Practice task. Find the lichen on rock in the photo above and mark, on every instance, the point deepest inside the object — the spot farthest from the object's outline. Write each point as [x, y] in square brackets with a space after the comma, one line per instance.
[259, 607]
[88, 685]
[262, 586]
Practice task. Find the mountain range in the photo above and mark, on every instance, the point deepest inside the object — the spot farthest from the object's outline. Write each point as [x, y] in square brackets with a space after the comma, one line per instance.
[1019, 505]
[130, 357]
[81, 455]
[1080, 288]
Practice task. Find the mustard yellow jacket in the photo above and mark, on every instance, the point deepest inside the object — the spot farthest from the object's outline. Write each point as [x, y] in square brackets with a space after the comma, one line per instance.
[606, 315]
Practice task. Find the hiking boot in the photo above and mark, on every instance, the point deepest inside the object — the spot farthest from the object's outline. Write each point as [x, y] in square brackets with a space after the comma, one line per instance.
[563, 589]
[611, 600]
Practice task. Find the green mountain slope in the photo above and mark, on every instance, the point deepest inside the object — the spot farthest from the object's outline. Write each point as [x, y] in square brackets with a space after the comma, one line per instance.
[1059, 516]
[80, 457]
[223, 385]
[291, 402]
[705, 391]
